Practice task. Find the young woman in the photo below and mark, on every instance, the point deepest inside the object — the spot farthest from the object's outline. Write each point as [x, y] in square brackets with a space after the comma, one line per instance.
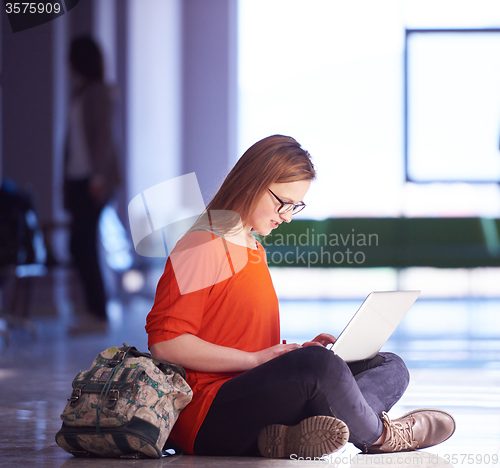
[216, 314]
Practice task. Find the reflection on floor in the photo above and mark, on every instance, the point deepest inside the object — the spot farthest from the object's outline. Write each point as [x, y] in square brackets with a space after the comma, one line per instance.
[451, 347]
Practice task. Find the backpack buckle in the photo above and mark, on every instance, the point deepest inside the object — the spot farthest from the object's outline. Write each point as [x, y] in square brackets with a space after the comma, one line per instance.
[113, 396]
[75, 396]
[117, 358]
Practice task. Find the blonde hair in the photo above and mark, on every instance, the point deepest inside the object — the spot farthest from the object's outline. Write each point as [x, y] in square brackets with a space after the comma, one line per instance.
[275, 159]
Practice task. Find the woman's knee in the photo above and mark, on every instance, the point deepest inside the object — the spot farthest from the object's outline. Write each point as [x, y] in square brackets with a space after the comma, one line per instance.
[399, 370]
[317, 363]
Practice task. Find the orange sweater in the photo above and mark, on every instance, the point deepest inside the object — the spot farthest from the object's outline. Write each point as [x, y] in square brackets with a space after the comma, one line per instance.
[221, 293]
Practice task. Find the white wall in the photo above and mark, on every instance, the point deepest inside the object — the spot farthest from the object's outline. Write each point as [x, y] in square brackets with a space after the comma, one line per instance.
[209, 90]
[154, 93]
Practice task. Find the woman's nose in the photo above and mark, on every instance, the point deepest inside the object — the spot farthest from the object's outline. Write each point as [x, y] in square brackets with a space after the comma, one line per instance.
[287, 217]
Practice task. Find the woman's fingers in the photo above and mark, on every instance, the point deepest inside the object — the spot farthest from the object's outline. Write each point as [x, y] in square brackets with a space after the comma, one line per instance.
[289, 347]
[324, 339]
[312, 343]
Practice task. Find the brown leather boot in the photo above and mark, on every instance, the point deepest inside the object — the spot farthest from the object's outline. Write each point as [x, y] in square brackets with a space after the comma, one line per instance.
[312, 438]
[415, 430]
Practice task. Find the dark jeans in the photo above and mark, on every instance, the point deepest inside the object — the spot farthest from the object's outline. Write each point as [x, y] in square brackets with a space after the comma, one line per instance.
[309, 381]
[85, 212]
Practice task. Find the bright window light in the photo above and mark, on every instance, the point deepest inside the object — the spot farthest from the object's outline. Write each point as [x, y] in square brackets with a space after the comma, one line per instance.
[331, 74]
[453, 106]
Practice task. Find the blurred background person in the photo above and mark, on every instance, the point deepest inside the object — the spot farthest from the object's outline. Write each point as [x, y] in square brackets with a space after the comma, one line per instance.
[91, 174]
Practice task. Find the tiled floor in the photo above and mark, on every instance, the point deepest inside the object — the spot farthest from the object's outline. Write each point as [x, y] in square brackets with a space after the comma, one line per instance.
[36, 375]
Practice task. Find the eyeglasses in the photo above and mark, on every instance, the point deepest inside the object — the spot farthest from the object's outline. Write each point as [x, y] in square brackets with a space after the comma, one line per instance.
[287, 207]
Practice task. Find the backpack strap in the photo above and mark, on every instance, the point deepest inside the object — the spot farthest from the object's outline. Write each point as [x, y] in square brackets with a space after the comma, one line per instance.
[164, 366]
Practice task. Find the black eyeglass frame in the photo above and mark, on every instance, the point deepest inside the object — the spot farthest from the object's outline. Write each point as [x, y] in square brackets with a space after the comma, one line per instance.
[294, 207]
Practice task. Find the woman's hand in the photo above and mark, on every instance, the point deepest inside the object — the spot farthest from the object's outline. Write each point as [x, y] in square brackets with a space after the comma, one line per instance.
[274, 351]
[324, 339]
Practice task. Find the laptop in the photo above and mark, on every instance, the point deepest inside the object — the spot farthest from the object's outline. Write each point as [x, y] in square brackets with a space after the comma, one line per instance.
[373, 324]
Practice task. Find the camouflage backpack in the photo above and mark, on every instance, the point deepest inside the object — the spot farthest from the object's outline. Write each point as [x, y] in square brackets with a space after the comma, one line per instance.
[124, 406]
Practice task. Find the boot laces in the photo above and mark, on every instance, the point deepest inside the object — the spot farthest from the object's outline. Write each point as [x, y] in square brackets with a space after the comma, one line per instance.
[399, 434]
